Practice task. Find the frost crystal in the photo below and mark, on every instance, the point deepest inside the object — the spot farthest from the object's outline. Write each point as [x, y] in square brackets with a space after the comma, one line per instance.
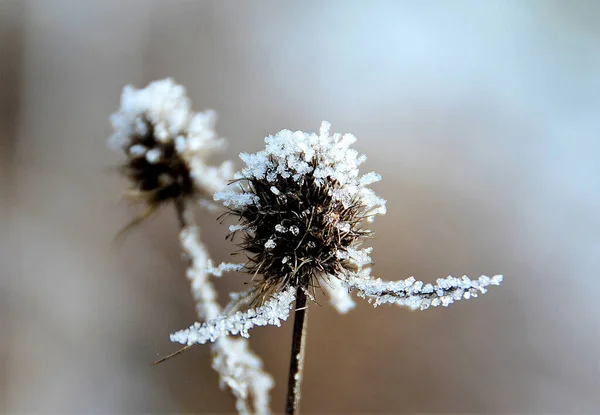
[326, 157]
[223, 267]
[235, 228]
[339, 295]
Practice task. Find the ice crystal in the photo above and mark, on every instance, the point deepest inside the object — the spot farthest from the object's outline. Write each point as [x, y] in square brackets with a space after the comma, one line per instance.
[339, 295]
[223, 267]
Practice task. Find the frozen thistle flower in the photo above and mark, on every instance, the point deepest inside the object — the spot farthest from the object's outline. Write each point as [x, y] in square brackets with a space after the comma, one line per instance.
[166, 145]
[302, 207]
[305, 201]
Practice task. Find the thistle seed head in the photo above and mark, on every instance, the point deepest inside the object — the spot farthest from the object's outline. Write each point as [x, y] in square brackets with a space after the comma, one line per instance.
[302, 208]
[166, 145]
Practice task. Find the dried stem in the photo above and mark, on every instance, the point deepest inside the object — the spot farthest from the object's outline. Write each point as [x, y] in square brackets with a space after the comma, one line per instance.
[297, 358]
[184, 215]
[185, 218]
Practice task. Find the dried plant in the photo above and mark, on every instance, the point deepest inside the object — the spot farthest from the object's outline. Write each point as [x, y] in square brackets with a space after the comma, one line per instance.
[303, 211]
[166, 146]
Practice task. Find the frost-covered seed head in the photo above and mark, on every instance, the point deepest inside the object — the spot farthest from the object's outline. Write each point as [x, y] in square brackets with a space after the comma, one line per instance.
[306, 206]
[166, 144]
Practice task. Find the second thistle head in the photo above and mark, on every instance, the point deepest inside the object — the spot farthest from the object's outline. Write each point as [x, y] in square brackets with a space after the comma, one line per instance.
[302, 207]
[166, 145]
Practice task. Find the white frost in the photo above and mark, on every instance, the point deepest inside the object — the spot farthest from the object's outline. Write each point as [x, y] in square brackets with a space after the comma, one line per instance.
[235, 228]
[339, 295]
[223, 267]
[236, 200]
[290, 154]
[272, 312]
[153, 155]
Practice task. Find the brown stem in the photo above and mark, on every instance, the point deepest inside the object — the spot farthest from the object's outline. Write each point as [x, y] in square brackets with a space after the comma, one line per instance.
[297, 358]
[184, 215]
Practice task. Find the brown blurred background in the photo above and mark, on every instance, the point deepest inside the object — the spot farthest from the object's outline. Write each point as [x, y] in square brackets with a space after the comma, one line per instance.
[482, 116]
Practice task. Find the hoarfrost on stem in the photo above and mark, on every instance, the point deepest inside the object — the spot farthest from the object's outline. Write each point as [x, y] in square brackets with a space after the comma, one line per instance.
[223, 267]
[238, 367]
[272, 312]
[417, 294]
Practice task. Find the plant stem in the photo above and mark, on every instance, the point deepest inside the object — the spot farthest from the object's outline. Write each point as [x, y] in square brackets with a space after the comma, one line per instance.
[184, 216]
[297, 358]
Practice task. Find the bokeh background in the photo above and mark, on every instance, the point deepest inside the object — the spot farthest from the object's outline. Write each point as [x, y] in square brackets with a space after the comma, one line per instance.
[482, 116]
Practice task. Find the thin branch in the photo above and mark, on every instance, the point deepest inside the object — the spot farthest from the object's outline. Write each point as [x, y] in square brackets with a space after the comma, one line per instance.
[184, 215]
[272, 312]
[297, 357]
[239, 368]
[417, 294]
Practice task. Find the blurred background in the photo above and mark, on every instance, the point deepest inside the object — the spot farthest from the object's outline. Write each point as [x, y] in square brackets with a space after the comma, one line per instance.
[481, 116]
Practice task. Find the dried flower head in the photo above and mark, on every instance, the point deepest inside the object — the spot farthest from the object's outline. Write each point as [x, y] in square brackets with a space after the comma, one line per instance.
[302, 208]
[166, 145]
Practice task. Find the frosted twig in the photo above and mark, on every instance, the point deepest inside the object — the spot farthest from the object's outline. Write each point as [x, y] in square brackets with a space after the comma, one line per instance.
[238, 367]
[417, 294]
[223, 267]
[272, 312]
